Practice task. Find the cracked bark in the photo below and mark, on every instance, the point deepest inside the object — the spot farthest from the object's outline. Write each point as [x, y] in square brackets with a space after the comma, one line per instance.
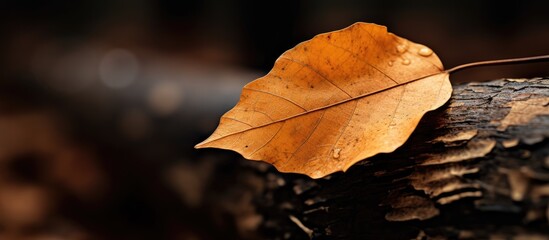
[476, 168]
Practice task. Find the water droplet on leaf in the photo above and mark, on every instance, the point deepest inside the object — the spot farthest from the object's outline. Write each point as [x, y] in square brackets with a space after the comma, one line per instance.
[401, 48]
[336, 152]
[425, 52]
[406, 61]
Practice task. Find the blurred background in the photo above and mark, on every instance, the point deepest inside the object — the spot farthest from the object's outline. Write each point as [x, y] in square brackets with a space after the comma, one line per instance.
[101, 102]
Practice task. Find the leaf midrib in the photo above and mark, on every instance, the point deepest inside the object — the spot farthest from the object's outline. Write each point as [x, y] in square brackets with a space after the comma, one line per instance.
[320, 108]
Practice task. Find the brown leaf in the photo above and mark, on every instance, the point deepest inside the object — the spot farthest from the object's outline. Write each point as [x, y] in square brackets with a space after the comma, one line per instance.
[334, 100]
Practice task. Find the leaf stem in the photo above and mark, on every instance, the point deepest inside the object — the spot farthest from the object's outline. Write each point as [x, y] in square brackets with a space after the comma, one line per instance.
[499, 62]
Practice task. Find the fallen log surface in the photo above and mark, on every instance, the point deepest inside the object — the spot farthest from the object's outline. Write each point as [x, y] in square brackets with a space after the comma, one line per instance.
[477, 168]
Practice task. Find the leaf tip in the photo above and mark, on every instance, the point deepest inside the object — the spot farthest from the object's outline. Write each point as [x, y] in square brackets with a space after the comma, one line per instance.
[200, 145]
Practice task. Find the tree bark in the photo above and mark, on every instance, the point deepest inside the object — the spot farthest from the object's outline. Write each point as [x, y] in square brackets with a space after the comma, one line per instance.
[477, 168]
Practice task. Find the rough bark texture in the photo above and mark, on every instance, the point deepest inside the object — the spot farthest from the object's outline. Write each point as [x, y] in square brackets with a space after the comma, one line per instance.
[477, 168]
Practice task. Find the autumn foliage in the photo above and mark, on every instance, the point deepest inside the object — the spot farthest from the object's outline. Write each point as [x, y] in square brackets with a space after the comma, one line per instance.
[334, 100]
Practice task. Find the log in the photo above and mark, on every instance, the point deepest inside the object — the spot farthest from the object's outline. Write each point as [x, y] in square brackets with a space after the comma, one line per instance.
[477, 168]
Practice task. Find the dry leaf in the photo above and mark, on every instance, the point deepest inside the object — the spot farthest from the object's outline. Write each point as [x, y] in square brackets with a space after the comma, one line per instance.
[334, 100]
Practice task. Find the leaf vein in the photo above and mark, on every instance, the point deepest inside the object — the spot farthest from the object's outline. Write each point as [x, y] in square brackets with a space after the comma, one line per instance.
[329, 105]
[234, 119]
[362, 60]
[309, 136]
[276, 95]
[318, 73]
[397, 106]
[346, 126]
[277, 131]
